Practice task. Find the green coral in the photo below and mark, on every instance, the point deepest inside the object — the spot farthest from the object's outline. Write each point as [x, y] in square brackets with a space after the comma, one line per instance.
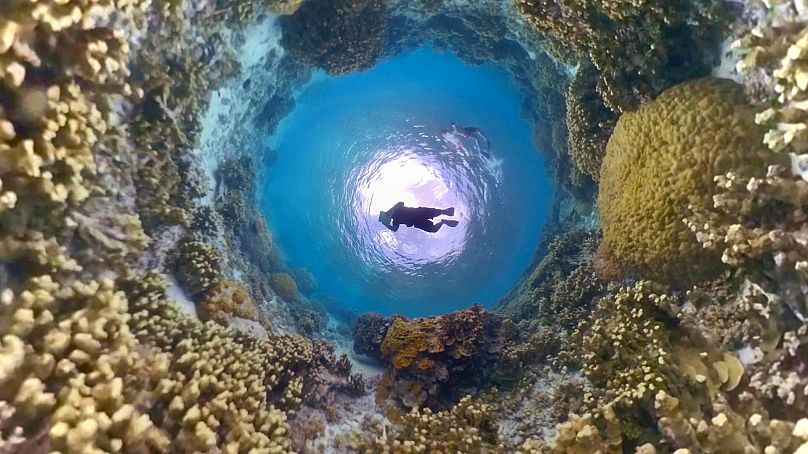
[660, 161]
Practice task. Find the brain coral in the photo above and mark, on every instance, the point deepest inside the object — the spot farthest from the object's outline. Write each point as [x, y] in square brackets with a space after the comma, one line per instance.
[284, 285]
[662, 159]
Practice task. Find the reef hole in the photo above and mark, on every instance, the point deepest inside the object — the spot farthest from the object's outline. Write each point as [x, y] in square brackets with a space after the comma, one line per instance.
[355, 145]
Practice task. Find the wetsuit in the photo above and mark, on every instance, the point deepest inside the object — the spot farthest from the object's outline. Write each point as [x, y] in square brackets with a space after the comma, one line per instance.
[414, 217]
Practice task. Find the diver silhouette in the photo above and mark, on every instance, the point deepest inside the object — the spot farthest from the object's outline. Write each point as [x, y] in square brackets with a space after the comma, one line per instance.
[469, 132]
[415, 217]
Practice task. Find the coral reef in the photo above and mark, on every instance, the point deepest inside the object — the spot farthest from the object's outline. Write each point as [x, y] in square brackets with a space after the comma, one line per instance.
[369, 332]
[648, 179]
[337, 36]
[589, 121]
[195, 406]
[102, 105]
[197, 266]
[284, 285]
[544, 296]
[429, 359]
[225, 300]
[466, 427]
[639, 48]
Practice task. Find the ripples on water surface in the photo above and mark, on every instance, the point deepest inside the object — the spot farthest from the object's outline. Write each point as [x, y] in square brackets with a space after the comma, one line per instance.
[357, 145]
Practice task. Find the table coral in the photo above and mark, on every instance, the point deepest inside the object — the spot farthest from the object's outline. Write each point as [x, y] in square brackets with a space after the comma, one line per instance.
[660, 162]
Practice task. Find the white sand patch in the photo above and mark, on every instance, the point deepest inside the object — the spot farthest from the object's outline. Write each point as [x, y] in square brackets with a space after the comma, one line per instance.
[729, 61]
[179, 298]
[250, 327]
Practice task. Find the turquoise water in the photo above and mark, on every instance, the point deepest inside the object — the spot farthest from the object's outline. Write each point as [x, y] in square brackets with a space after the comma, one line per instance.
[357, 144]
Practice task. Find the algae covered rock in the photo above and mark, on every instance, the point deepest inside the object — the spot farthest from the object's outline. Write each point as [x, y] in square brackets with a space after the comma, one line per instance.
[662, 159]
[338, 36]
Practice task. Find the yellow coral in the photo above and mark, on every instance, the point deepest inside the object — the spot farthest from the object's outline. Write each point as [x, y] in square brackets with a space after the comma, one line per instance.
[662, 159]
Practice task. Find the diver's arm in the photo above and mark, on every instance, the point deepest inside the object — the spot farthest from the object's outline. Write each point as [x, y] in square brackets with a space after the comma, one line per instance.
[394, 227]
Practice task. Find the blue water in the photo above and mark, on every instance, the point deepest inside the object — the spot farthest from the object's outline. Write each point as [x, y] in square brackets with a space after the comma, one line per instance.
[357, 144]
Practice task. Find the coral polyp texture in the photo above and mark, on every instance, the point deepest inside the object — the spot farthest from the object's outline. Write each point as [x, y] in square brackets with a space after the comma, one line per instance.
[659, 162]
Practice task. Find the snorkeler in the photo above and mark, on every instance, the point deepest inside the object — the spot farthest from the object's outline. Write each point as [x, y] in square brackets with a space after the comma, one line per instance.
[415, 217]
[469, 132]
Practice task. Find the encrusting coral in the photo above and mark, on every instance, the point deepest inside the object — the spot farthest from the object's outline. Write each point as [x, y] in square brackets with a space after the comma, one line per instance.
[648, 178]
[225, 300]
[428, 359]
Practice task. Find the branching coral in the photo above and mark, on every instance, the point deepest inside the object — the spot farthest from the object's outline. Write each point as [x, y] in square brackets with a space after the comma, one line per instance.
[197, 266]
[660, 161]
[466, 427]
[544, 296]
[209, 387]
[337, 36]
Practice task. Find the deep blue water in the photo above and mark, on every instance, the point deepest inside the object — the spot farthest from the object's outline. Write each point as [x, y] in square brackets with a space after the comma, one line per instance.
[357, 144]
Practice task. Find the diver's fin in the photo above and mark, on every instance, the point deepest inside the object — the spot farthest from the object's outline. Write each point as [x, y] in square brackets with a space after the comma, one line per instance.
[451, 223]
[450, 211]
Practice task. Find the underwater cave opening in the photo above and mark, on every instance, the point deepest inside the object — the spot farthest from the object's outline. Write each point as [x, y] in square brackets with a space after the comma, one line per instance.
[355, 145]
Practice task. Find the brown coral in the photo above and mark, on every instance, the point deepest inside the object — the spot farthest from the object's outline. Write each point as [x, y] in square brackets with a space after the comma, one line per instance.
[589, 122]
[428, 358]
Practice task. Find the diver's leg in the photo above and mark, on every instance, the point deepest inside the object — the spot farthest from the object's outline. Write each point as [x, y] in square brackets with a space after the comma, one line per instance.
[428, 213]
[428, 226]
